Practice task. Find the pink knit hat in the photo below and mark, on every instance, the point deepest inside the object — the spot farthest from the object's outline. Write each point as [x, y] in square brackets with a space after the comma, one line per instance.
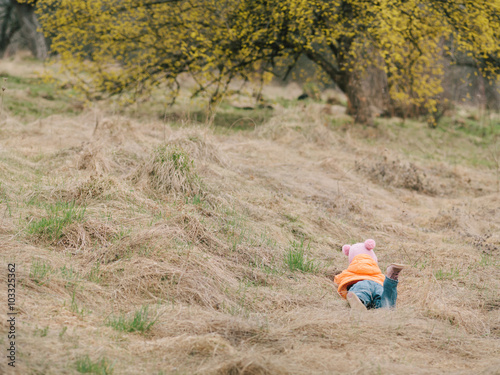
[360, 248]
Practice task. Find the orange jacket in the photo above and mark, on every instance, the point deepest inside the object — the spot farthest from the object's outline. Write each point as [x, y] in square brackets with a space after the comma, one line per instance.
[362, 267]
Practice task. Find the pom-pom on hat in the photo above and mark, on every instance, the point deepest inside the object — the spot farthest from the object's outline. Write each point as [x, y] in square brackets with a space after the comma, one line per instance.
[360, 248]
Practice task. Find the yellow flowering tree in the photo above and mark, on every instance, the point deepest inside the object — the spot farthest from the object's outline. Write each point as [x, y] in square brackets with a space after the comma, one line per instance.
[117, 46]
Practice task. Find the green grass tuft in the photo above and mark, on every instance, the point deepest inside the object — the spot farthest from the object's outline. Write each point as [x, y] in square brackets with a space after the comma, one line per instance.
[176, 155]
[172, 169]
[141, 321]
[84, 365]
[95, 273]
[74, 305]
[42, 332]
[447, 275]
[59, 216]
[295, 258]
[39, 271]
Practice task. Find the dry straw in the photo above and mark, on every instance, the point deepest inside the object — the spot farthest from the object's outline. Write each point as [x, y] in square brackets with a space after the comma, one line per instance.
[196, 226]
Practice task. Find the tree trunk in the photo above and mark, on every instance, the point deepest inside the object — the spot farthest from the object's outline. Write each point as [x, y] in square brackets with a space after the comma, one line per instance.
[8, 28]
[349, 82]
[348, 79]
[492, 95]
[29, 27]
[358, 104]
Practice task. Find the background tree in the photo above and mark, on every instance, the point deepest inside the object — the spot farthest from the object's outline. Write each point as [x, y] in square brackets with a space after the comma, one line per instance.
[19, 17]
[30, 27]
[130, 45]
[8, 24]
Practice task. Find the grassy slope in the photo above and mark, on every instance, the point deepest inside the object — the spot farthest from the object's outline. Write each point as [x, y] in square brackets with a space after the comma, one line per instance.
[128, 265]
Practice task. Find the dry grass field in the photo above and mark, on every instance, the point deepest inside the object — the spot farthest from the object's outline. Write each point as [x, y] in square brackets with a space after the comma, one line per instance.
[150, 245]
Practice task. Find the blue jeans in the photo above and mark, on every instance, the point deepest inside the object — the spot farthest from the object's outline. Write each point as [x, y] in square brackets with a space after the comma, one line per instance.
[373, 295]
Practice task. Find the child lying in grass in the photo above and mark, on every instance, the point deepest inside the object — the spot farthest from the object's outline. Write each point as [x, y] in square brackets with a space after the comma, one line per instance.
[362, 283]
